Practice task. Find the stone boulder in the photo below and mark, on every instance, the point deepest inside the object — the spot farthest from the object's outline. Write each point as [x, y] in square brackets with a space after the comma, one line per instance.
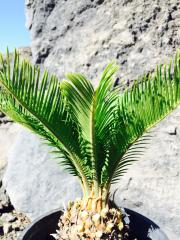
[84, 36]
[34, 181]
[8, 133]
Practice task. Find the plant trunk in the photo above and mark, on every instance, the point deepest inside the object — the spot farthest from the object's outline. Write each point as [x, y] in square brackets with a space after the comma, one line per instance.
[97, 200]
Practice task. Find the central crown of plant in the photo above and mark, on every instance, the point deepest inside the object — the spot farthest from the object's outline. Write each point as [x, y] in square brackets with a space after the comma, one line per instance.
[96, 133]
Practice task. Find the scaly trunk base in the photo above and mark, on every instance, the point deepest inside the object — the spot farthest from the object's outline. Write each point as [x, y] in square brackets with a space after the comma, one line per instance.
[90, 221]
[96, 201]
[95, 204]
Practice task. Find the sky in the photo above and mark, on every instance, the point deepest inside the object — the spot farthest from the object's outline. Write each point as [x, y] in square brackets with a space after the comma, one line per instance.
[13, 33]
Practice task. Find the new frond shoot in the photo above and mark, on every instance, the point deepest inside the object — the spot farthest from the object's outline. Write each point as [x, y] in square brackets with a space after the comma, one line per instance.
[96, 132]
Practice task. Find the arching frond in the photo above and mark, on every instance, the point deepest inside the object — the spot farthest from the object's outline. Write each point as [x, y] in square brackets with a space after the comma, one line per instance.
[106, 100]
[142, 106]
[79, 93]
[37, 102]
[93, 110]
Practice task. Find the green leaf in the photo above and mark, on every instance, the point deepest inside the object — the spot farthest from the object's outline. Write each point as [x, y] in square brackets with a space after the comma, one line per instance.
[147, 102]
[37, 102]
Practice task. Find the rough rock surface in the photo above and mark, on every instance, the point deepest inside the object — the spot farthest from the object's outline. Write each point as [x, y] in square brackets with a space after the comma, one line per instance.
[11, 222]
[8, 133]
[34, 181]
[25, 52]
[85, 35]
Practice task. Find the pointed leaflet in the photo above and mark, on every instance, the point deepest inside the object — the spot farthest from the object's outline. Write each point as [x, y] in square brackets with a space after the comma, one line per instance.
[24, 96]
[79, 94]
[94, 112]
[104, 110]
[140, 108]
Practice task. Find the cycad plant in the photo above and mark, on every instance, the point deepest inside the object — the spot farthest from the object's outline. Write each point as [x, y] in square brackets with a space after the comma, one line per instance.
[95, 133]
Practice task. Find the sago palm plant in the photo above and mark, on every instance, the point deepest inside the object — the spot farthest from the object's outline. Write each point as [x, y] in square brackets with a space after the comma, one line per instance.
[95, 133]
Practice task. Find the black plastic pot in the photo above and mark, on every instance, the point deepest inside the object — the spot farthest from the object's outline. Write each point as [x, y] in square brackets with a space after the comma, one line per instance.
[141, 228]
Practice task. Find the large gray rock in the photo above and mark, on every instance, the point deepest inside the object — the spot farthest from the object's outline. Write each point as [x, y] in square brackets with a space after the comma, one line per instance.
[8, 133]
[84, 35]
[35, 182]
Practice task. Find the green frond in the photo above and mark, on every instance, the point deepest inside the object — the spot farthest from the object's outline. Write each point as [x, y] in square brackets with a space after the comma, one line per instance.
[105, 104]
[149, 100]
[37, 102]
[79, 94]
[96, 133]
[133, 153]
[93, 111]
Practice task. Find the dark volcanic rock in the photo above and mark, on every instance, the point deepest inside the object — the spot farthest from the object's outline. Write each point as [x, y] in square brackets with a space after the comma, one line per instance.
[85, 35]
